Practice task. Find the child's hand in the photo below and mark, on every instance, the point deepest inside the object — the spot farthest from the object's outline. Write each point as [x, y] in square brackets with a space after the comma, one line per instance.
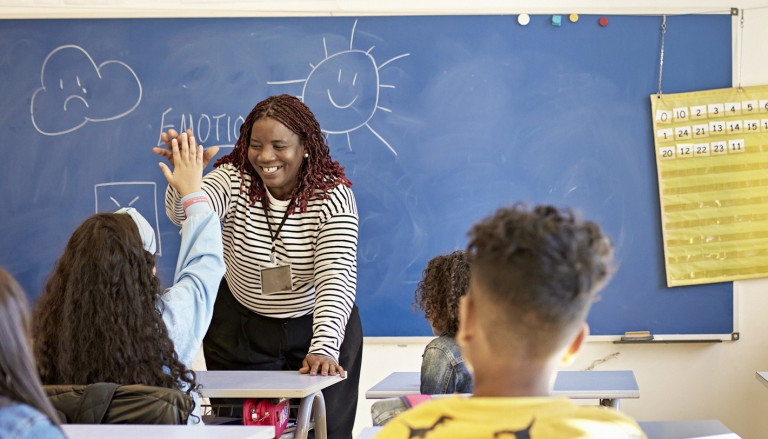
[171, 135]
[187, 174]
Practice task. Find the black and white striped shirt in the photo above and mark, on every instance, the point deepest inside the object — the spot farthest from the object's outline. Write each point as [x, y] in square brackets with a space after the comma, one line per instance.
[319, 244]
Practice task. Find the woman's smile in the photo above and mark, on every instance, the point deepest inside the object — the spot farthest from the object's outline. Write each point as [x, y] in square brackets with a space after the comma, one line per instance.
[276, 153]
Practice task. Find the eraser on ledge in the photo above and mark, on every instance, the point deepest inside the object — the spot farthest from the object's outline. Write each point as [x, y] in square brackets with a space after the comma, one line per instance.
[637, 336]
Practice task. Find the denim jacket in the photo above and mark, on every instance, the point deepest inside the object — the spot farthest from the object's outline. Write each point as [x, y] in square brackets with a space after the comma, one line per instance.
[443, 369]
[20, 421]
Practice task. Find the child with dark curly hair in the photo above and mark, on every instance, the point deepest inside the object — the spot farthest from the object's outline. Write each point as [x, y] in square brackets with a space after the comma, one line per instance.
[536, 270]
[445, 280]
[103, 315]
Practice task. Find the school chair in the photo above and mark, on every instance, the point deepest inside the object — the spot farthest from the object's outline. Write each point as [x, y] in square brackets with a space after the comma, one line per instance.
[110, 403]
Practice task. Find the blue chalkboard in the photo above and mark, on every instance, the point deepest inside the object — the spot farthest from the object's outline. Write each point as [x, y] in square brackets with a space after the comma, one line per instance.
[438, 120]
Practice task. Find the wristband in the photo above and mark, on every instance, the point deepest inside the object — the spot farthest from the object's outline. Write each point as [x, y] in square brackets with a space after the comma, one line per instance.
[193, 200]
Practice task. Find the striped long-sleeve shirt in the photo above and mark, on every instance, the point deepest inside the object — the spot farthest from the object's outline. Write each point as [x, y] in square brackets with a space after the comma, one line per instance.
[319, 244]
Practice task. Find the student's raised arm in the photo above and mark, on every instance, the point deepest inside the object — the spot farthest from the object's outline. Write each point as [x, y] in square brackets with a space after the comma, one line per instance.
[188, 305]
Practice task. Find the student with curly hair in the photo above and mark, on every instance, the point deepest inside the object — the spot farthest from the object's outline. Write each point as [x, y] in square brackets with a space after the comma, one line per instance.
[535, 272]
[445, 281]
[103, 315]
[25, 411]
[287, 301]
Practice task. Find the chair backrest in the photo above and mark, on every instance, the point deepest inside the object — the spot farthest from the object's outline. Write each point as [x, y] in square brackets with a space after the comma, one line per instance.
[385, 410]
[110, 403]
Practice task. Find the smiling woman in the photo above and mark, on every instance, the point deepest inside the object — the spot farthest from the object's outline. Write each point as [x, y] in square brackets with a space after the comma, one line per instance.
[289, 218]
[275, 152]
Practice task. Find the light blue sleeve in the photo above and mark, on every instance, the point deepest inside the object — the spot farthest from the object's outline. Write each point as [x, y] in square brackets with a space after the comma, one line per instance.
[20, 421]
[42, 429]
[187, 306]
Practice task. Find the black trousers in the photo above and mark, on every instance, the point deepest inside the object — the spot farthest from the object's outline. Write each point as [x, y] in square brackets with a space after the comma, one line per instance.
[239, 339]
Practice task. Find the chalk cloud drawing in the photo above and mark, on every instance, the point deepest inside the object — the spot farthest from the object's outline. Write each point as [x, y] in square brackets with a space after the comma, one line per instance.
[141, 195]
[343, 90]
[75, 91]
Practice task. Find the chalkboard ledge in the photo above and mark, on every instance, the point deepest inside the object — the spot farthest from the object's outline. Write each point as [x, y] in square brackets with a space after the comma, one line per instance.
[397, 340]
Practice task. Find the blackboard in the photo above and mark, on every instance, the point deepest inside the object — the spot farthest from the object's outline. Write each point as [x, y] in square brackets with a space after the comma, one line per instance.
[449, 118]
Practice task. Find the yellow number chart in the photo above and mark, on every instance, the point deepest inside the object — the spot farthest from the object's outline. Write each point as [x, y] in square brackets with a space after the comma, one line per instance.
[712, 164]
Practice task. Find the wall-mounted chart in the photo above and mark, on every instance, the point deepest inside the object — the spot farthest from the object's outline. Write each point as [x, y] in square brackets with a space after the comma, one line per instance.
[712, 162]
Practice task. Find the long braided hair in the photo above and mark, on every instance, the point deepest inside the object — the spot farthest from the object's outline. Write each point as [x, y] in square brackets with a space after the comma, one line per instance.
[318, 174]
[97, 319]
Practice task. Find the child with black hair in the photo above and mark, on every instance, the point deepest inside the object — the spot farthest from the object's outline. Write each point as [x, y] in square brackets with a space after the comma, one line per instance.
[534, 275]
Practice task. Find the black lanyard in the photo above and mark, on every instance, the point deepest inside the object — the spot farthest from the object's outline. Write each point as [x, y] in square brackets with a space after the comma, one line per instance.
[280, 227]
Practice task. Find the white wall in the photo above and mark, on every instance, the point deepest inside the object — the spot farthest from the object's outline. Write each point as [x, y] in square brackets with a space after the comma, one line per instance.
[677, 381]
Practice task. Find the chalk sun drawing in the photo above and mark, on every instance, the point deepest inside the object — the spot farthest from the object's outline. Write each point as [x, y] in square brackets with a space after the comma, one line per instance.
[343, 90]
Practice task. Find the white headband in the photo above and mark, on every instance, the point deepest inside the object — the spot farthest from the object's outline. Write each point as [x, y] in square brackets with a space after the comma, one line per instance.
[145, 230]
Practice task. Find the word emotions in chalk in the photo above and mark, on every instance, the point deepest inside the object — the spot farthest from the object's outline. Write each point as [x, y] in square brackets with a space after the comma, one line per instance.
[220, 130]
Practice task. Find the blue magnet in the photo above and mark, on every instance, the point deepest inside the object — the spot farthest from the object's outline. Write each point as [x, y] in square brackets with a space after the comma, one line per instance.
[557, 20]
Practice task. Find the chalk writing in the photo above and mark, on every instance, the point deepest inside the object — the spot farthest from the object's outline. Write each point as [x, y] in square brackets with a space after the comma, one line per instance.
[343, 90]
[75, 91]
[221, 130]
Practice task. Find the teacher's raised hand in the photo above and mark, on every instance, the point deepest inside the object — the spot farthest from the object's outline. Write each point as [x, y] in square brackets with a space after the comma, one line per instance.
[167, 152]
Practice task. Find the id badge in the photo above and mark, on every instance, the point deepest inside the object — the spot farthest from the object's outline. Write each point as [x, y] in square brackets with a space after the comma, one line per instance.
[276, 279]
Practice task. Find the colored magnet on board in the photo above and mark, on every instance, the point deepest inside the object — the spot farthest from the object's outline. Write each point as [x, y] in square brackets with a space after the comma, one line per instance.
[557, 20]
[574, 18]
[523, 19]
[603, 21]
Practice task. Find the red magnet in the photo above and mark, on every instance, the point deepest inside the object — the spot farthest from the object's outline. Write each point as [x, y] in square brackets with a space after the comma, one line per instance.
[603, 21]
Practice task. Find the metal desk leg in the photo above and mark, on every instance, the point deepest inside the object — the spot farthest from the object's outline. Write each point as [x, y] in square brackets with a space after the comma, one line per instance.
[311, 409]
[610, 402]
[318, 416]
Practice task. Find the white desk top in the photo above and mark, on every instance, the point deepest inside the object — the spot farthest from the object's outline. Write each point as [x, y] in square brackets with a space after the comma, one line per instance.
[710, 429]
[368, 432]
[599, 384]
[762, 377]
[132, 431]
[593, 384]
[261, 383]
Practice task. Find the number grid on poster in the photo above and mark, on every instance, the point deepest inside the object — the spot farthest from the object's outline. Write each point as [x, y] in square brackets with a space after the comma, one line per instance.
[712, 165]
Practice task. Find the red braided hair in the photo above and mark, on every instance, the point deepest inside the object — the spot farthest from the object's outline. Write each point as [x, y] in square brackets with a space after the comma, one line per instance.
[318, 171]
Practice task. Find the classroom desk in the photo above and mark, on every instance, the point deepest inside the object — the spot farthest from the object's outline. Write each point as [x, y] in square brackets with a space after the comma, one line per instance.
[132, 431]
[368, 432]
[762, 377]
[708, 428]
[273, 384]
[711, 429]
[607, 386]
